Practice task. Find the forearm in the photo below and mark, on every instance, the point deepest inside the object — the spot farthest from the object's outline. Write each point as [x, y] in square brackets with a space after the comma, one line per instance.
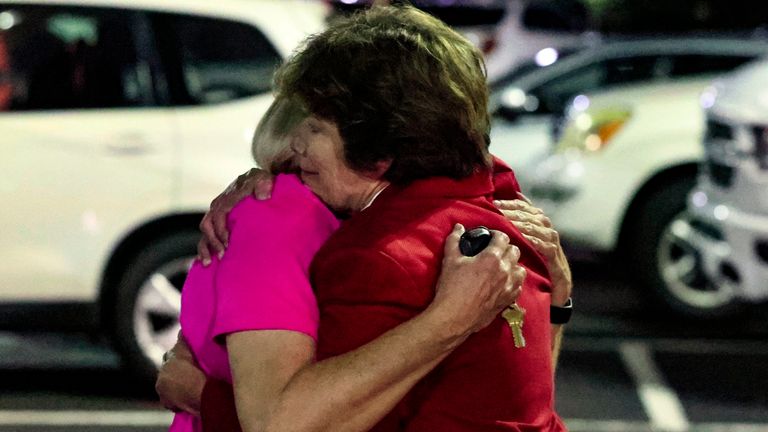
[557, 339]
[263, 363]
[353, 391]
[560, 296]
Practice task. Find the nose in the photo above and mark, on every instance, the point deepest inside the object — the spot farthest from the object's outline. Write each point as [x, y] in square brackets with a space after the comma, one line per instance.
[298, 146]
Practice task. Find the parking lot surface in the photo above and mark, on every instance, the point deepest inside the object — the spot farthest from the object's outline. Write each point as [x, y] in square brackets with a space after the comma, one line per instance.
[622, 368]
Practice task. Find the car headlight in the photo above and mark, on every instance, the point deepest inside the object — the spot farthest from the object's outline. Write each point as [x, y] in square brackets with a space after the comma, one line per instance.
[591, 130]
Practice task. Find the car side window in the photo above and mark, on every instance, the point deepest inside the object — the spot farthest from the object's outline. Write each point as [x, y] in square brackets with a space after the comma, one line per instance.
[211, 60]
[629, 70]
[595, 76]
[698, 64]
[56, 57]
[553, 94]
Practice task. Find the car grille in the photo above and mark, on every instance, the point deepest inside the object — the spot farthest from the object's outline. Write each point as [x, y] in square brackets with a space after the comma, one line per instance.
[723, 153]
[761, 146]
[761, 249]
[718, 131]
[721, 175]
[719, 142]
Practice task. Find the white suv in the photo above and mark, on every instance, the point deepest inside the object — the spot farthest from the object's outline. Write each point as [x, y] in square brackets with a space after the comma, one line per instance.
[528, 97]
[618, 179]
[119, 120]
[728, 226]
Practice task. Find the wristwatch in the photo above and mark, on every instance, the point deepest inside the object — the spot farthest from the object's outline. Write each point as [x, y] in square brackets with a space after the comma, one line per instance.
[561, 314]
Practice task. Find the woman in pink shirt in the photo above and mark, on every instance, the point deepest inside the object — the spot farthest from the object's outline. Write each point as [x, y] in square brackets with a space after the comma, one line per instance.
[250, 317]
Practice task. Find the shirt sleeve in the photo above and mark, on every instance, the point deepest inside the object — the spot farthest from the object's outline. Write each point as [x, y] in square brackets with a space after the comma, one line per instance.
[262, 282]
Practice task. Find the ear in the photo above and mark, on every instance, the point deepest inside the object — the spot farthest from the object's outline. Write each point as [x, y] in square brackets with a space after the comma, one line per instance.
[379, 169]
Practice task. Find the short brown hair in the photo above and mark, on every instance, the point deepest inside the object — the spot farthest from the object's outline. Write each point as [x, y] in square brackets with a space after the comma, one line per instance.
[401, 86]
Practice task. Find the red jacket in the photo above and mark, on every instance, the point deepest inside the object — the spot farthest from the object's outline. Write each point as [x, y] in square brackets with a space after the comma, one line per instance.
[380, 269]
[391, 254]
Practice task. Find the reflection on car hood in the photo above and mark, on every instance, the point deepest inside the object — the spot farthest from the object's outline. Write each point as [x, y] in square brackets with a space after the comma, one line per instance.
[743, 94]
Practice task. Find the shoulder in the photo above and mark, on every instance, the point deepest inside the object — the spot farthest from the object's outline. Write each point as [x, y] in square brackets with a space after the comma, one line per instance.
[505, 182]
[291, 204]
[293, 219]
[406, 239]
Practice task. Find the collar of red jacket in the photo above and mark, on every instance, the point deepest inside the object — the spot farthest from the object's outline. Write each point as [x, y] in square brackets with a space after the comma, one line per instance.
[500, 183]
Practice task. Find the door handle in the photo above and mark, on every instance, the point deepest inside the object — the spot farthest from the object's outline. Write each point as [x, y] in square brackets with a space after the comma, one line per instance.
[129, 145]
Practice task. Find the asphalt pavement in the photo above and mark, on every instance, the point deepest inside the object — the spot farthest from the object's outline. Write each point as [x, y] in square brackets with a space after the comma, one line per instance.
[624, 367]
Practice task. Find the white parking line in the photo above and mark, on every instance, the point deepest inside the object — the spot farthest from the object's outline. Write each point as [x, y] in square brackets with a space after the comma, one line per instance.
[160, 418]
[86, 418]
[668, 345]
[660, 402]
[585, 425]
[730, 427]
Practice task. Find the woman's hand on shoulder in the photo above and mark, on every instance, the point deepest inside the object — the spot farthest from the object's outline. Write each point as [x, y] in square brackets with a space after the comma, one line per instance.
[471, 291]
[256, 182]
[537, 228]
[180, 381]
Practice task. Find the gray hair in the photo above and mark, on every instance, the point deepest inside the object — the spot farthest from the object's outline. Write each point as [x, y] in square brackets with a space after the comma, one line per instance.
[271, 145]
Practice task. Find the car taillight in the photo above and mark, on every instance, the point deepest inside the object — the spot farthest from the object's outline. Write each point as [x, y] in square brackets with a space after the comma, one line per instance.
[761, 146]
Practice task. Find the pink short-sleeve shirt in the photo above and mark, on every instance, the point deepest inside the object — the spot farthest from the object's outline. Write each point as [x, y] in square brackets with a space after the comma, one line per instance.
[261, 283]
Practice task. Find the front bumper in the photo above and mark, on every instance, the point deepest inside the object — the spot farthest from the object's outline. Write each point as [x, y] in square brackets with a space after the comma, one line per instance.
[733, 245]
[584, 198]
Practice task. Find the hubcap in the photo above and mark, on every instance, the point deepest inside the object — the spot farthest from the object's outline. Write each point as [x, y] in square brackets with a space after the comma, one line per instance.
[681, 269]
[158, 303]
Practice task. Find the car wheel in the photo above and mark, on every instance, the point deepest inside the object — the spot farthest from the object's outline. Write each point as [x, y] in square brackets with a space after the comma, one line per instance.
[661, 259]
[148, 301]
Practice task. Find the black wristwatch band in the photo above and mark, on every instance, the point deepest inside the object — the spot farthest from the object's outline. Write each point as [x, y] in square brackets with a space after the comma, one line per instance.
[561, 314]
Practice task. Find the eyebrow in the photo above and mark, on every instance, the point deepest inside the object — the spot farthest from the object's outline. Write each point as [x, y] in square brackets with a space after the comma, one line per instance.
[315, 122]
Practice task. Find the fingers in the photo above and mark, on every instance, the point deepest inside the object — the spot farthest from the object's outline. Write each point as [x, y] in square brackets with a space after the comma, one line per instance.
[543, 233]
[519, 273]
[203, 253]
[214, 224]
[220, 229]
[498, 244]
[525, 216]
[182, 350]
[210, 238]
[525, 213]
[179, 384]
[255, 182]
[548, 249]
[515, 277]
[452, 241]
[262, 187]
[517, 205]
[512, 255]
[521, 211]
[524, 198]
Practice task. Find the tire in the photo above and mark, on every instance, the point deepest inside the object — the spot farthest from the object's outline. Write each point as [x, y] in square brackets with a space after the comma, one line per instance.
[148, 300]
[660, 261]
